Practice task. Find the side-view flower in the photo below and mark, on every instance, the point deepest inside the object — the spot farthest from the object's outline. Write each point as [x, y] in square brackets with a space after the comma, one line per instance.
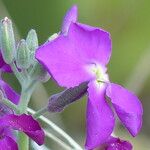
[80, 54]
[76, 58]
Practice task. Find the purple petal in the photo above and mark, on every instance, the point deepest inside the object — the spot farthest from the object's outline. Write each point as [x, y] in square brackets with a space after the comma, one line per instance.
[7, 132]
[68, 57]
[9, 92]
[88, 27]
[100, 118]
[114, 143]
[117, 144]
[93, 42]
[3, 66]
[26, 124]
[71, 16]
[127, 106]
[7, 143]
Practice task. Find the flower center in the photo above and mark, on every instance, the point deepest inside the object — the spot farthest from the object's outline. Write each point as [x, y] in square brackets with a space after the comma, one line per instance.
[99, 73]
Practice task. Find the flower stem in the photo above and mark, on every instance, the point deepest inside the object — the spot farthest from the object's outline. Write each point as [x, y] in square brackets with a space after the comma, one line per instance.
[10, 105]
[24, 100]
[16, 72]
[40, 112]
[23, 141]
[73, 143]
[23, 104]
[57, 140]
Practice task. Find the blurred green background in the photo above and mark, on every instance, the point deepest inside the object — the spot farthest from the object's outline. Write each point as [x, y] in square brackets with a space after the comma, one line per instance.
[128, 22]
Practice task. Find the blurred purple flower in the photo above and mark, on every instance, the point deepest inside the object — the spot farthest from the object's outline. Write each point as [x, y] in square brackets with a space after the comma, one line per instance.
[3, 66]
[8, 92]
[24, 123]
[80, 55]
[9, 121]
[114, 143]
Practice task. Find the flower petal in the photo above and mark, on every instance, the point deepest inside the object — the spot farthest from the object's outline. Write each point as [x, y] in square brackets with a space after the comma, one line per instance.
[93, 42]
[8, 143]
[26, 124]
[3, 66]
[127, 106]
[9, 92]
[68, 57]
[88, 27]
[117, 144]
[71, 16]
[114, 143]
[100, 118]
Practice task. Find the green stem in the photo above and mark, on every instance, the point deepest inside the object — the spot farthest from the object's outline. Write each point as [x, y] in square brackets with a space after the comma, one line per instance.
[10, 105]
[24, 100]
[40, 112]
[23, 104]
[23, 141]
[16, 72]
[57, 140]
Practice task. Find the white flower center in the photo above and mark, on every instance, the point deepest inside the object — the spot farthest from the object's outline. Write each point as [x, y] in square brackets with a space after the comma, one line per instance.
[99, 72]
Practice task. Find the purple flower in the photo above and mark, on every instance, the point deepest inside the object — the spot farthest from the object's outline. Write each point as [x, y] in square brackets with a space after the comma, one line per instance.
[9, 121]
[23, 123]
[3, 66]
[114, 143]
[80, 56]
[8, 92]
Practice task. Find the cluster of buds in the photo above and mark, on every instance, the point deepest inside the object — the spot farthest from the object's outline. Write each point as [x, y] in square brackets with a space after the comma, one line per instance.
[23, 53]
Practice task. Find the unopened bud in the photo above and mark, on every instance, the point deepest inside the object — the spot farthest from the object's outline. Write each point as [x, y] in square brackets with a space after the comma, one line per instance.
[23, 55]
[32, 40]
[7, 40]
[61, 100]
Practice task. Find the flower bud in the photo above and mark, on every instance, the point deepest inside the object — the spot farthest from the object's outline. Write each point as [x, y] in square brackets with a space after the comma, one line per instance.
[59, 101]
[23, 55]
[7, 40]
[32, 40]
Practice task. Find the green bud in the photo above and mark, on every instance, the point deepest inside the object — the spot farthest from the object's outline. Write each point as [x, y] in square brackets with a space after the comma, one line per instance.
[32, 40]
[7, 40]
[39, 73]
[23, 55]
